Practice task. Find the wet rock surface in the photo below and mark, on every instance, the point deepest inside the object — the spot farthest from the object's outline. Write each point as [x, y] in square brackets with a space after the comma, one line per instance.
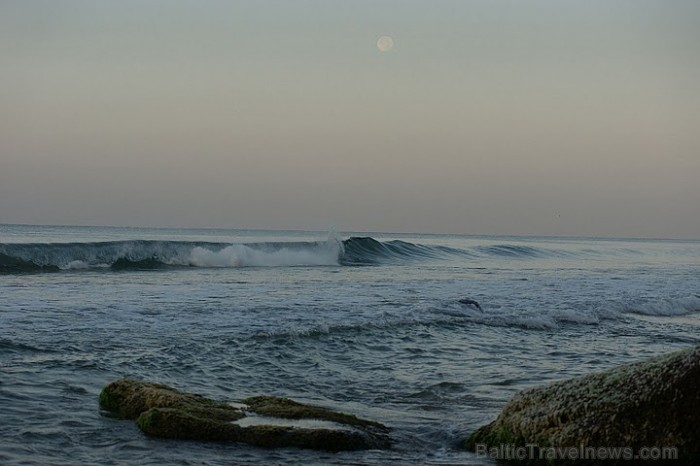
[162, 411]
[654, 403]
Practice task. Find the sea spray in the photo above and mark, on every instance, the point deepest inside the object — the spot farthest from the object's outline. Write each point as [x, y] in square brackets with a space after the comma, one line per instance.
[240, 255]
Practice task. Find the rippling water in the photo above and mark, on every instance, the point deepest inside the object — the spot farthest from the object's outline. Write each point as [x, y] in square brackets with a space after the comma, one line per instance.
[369, 324]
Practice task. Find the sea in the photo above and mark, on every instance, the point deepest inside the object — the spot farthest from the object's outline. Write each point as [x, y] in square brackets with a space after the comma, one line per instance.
[428, 334]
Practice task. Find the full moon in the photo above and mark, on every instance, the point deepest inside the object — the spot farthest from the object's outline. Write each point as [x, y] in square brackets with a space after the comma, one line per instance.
[385, 44]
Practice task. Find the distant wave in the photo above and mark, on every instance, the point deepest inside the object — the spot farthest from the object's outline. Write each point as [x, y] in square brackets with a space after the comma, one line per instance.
[509, 250]
[150, 255]
[366, 251]
[155, 255]
[662, 307]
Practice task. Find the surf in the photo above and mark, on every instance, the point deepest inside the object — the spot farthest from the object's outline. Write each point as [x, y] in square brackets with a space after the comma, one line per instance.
[126, 255]
[153, 255]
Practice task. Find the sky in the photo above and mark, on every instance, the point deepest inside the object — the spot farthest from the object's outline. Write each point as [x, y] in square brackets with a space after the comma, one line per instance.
[503, 117]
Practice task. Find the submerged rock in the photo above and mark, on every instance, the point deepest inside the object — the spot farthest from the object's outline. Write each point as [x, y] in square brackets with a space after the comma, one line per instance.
[652, 404]
[162, 411]
[472, 303]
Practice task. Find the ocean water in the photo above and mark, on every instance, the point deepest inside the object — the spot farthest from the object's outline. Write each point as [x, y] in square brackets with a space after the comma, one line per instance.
[370, 324]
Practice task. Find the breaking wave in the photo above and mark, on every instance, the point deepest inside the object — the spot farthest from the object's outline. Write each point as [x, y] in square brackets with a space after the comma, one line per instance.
[150, 255]
[154, 255]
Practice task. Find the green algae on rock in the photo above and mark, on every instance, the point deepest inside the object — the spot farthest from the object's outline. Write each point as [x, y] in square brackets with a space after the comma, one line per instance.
[181, 424]
[654, 403]
[129, 398]
[162, 411]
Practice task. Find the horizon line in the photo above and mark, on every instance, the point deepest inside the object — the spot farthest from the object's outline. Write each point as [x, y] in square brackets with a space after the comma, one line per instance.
[373, 232]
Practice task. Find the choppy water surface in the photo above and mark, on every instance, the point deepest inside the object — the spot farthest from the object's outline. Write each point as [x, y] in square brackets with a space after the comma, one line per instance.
[367, 323]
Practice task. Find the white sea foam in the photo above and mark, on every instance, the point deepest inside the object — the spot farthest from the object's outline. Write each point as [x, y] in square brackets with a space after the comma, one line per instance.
[540, 322]
[77, 265]
[252, 419]
[241, 255]
[665, 307]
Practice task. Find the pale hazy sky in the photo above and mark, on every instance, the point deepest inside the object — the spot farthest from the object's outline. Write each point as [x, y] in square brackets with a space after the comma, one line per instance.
[487, 117]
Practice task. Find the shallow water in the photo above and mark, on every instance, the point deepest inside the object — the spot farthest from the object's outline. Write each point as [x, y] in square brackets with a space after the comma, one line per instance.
[372, 327]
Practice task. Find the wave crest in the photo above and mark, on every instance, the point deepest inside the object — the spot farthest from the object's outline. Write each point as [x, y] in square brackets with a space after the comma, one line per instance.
[148, 255]
[367, 251]
[240, 255]
[151, 255]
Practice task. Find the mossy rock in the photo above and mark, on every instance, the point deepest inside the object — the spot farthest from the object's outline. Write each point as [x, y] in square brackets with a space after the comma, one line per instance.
[654, 403]
[180, 424]
[162, 411]
[129, 398]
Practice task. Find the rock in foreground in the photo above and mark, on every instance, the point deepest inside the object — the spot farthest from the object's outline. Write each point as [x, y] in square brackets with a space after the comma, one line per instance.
[654, 403]
[162, 411]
